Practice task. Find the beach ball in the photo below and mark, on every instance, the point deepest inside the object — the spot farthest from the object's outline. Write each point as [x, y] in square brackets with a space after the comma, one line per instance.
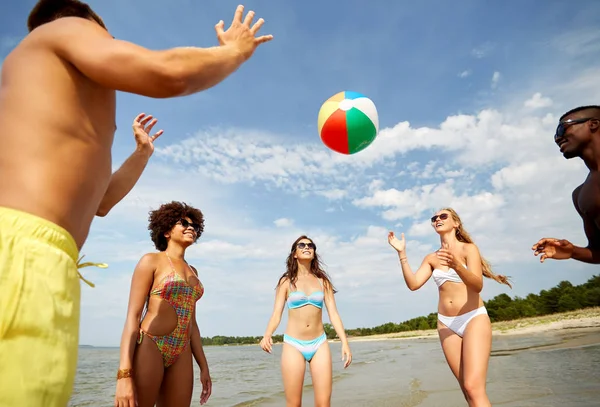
[348, 122]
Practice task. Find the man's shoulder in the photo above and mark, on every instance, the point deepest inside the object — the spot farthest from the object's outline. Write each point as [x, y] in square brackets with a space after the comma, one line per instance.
[64, 29]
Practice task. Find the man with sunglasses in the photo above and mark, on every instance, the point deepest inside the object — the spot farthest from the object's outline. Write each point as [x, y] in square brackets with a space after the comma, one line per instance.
[578, 135]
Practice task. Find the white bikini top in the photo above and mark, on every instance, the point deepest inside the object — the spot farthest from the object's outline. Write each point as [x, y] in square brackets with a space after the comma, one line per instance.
[440, 276]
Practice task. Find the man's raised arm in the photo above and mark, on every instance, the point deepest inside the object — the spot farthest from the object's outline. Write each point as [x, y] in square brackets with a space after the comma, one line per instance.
[123, 66]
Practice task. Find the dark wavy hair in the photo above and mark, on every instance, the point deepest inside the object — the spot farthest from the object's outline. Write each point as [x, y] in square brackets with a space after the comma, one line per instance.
[46, 11]
[164, 218]
[316, 269]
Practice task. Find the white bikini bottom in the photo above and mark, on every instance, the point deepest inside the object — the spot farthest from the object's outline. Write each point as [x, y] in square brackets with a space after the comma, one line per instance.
[459, 323]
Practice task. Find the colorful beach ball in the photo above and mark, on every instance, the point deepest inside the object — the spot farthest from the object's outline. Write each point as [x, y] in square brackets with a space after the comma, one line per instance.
[348, 122]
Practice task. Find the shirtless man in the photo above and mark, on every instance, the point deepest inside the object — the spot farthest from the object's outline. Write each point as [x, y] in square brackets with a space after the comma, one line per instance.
[57, 115]
[578, 135]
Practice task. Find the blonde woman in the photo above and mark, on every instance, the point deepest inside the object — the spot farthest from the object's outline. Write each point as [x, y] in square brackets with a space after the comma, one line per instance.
[464, 326]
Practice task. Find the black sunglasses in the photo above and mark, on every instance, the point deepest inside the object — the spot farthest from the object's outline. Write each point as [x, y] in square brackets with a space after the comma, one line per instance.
[186, 224]
[562, 126]
[302, 245]
[442, 216]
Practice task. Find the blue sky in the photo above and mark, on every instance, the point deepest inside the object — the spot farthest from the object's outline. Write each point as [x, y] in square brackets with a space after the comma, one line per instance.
[468, 97]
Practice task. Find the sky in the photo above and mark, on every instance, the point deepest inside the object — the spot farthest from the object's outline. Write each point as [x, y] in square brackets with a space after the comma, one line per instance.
[468, 96]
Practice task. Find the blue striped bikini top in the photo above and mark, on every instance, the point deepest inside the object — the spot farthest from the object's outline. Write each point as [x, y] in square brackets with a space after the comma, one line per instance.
[297, 299]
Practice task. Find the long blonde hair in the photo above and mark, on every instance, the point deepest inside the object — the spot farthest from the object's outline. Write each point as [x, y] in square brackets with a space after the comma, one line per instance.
[463, 236]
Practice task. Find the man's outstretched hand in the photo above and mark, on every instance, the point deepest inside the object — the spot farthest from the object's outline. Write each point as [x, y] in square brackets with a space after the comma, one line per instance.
[241, 34]
[550, 248]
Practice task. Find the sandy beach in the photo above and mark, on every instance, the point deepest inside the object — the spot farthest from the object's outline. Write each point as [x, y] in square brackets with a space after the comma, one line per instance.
[580, 319]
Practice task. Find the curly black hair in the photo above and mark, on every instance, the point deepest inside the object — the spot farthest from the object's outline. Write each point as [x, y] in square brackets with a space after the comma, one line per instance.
[164, 218]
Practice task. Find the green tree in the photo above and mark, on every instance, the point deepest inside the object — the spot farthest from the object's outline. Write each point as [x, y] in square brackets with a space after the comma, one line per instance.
[329, 331]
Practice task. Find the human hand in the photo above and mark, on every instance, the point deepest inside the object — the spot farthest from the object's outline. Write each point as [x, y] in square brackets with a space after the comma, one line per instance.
[206, 386]
[398, 244]
[142, 126]
[266, 343]
[346, 355]
[550, 248]
[240, 35]
[446, 256]
[125, 394]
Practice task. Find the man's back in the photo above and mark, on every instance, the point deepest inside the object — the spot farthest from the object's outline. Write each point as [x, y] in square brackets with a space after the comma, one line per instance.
[57, 131]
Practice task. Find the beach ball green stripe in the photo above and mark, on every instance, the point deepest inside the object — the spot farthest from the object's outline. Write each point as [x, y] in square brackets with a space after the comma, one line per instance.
[361, 130]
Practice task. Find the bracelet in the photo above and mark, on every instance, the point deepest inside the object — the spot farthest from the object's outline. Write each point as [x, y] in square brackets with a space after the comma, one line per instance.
[124, 373]
[402, 258]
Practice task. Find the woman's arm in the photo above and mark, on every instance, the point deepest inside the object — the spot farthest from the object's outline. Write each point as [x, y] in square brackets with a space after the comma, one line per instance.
[336, 321]
[280, 296]
[413, 281]
[141, 282]
[196, 339]
[200, 357]
[197, 349]
[472, 275]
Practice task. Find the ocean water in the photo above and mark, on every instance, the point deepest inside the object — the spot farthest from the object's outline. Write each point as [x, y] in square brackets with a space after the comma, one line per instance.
[549, 369]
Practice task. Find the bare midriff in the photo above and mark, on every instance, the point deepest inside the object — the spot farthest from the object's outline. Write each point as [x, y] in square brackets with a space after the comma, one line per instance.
[457, 299]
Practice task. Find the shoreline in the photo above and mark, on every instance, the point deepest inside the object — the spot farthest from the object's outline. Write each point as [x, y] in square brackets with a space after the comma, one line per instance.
[584, 318]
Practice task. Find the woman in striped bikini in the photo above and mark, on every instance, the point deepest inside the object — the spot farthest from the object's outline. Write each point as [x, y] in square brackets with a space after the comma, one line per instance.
[305, 287]
[157, 346]
[464, 327]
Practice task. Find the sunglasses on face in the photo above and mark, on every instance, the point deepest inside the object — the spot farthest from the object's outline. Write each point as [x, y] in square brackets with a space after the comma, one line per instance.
[186, 224]
[302, 245]
[562, 126]
[442, 216]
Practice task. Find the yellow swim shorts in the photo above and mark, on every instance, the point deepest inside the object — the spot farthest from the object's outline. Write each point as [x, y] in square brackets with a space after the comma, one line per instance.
[39, 311]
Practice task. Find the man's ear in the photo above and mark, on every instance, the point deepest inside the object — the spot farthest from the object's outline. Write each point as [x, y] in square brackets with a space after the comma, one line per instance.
[594, 124]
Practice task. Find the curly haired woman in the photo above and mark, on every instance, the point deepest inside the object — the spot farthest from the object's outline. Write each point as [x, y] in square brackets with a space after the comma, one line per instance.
[157, 347]
[464, 327]
[305, 287]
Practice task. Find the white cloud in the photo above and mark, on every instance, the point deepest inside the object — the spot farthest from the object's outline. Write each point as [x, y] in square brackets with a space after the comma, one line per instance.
[465, 73]
[333, 194]
[537, 101]
[496, 79]
[307, 168]
[283, 222]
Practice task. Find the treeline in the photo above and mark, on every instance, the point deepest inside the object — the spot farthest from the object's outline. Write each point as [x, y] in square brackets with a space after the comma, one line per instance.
[564, 297]
[236, 340]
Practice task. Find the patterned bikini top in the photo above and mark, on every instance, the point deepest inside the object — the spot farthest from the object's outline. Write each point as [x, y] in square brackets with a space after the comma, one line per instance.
[179, 294]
